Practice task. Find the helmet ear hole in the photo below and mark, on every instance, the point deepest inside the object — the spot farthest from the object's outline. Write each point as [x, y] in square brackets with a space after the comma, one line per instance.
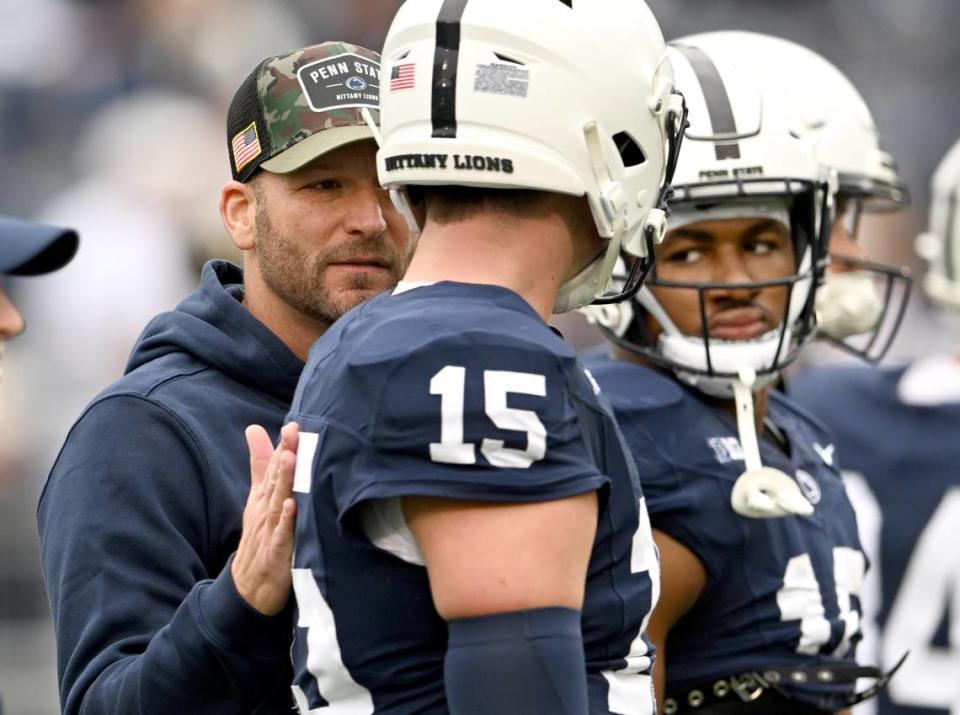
[630, 152]
[504, 58]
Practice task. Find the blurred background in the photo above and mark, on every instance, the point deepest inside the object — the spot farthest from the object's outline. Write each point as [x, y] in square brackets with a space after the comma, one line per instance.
[113, 116]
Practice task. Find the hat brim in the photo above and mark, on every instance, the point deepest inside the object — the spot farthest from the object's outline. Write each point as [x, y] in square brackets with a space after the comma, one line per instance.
[315, 146]
[31, 249]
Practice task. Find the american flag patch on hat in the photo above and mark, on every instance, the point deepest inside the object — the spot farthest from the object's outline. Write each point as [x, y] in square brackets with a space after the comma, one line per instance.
[246, 146]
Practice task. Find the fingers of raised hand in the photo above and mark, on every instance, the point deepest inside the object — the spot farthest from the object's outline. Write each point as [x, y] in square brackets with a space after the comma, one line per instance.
[281, 482]
[290, 436]
[284, 530]
[261, 451]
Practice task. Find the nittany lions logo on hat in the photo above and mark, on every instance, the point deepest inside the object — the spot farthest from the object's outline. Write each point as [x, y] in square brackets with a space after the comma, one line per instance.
[341, 82]
[357, 84]
[809, 486]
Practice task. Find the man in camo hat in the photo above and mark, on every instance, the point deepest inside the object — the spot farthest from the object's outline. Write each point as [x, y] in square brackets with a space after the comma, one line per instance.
[168, 569]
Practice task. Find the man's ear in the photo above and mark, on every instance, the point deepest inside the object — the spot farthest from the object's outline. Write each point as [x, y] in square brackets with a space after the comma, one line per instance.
[238, 210]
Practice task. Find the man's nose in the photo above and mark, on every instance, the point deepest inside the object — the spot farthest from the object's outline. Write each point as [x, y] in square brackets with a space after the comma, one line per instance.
[366, 216]
[730, 268]
[11, 322]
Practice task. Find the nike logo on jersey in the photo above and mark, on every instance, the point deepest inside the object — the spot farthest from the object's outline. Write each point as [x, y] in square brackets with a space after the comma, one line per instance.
[593, 383]
[826, 453]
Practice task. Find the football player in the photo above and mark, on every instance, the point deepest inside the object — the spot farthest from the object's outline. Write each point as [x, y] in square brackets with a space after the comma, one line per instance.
[761, 565]
[862, 303]
[471, 535]
[897, 437]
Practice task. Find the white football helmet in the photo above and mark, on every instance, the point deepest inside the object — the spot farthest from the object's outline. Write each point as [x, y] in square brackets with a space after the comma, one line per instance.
[867, 301]
[940, 245]
[568, 96]
[743, 153]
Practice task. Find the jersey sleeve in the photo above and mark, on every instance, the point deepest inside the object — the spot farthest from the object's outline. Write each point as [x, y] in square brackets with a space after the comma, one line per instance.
[142, 625]
[470, 416]
[683, 502]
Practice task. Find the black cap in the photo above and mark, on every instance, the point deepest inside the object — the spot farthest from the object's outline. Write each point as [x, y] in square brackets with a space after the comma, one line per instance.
[31, 249]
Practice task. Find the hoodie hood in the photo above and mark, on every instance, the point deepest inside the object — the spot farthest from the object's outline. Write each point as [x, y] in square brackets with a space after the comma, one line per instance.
[213, 326]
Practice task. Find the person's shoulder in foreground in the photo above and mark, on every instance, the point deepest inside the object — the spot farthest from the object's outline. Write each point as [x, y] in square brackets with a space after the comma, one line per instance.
[378, 374]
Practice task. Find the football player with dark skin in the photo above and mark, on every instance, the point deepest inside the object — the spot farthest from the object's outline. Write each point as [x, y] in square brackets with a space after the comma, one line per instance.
[761, 564]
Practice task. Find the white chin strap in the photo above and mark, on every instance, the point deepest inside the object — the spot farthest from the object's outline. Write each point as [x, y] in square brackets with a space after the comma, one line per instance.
[760, 492]
[848, 304]
[592, 281]
[400, 201]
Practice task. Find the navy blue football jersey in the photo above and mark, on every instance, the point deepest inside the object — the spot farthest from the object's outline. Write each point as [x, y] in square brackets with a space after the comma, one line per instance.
[458, 391]
[779, 592]
[903, 462]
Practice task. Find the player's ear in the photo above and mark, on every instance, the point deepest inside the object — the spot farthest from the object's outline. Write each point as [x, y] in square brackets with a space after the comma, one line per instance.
[238, 210]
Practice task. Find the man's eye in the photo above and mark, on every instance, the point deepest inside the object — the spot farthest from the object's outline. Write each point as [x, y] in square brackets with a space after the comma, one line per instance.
[326, 185]
[691, 255]
[762, 247]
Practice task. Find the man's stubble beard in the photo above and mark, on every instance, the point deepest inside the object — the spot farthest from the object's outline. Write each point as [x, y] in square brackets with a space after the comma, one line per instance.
[298, 279]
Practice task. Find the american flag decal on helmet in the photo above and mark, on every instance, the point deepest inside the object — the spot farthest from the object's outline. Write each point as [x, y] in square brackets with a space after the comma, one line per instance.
[401, 76]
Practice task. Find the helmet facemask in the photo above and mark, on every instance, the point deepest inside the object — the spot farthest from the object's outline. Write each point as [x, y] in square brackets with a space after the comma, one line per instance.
[746, 154]
[862, 303]
[709, 362]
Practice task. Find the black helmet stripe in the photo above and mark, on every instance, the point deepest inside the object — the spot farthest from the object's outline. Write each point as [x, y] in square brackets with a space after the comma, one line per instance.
[715, 94]
[444, 99]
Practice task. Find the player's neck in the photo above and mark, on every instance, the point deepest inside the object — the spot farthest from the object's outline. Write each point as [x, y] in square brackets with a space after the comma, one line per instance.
[294, 329]
[528, 256]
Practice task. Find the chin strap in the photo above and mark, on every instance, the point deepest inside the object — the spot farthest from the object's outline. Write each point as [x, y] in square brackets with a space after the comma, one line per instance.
[372, 125]
[760, 492]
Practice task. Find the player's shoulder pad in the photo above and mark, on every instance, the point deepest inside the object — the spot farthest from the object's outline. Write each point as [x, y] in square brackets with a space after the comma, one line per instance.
[630, 387]
[823, 387]
[783, 408]
[384, 356]
[448, 319]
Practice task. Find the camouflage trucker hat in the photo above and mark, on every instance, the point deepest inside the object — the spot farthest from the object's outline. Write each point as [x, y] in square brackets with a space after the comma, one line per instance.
[295, 107]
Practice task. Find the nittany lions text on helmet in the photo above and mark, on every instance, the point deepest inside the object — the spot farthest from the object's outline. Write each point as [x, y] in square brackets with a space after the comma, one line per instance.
[569, 97]
[862, 303]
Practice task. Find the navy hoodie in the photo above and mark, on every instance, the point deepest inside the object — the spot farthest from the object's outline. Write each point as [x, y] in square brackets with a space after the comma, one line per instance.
[142, 512]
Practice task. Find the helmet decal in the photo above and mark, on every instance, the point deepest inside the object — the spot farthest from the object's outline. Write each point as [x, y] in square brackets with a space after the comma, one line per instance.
[719, 109]
[445, 63]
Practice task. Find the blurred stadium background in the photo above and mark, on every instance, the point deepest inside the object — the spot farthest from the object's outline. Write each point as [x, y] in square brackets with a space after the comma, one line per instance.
[112, 115]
